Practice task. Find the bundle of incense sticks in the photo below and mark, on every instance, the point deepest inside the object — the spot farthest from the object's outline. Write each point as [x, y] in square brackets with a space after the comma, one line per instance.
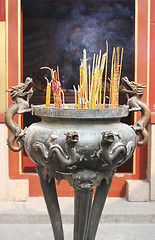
[92, 88]
[116, 67]
[89, 93]
[58, 94]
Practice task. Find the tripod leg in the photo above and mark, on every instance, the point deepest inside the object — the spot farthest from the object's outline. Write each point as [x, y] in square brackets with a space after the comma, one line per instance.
[97, 207]
[50, 196]
[82, 206]
[83, 183]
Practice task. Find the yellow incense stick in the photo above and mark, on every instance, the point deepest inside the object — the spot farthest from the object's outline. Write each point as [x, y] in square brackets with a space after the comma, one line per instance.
[106, 71]
[58, 72]
[82, 76]
[85, 75]
[97, 86]
[89, 73]
[110, 92]
[113, 78]
[101, 64]
[48, 93]
[120, 69]
[117, 79]
[48, 89]
[101, 75]
[99, 59]
[92, 81]
[93, 66]
[79, 98]
[96, 60]
[75, 92]
[81, 72]
[63, 98]
[93, 97]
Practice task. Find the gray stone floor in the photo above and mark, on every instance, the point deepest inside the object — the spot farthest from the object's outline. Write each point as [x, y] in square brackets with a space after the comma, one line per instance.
[117, 210]
[105, 232]
[121, 220]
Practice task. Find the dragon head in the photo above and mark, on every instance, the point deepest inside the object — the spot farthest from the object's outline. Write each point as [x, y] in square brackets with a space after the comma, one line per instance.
[71, 138]
[132, 87]
[107, 138]
[19, 89]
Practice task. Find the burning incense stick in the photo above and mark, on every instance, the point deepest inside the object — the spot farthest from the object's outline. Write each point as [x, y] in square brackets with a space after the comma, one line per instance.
[59, 90]
[117, 79]
[120, 68]
[48, 92]
[89, 73]
[116, 66]
[85, 74]
[63, 98]
[75, 93]
[48, 88]
[101, 75]
[56, 87]
[112, 78]
[79, 97]
[106, 71]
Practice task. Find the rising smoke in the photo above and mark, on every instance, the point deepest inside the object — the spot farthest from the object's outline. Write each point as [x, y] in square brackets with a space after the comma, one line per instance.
[56, 32]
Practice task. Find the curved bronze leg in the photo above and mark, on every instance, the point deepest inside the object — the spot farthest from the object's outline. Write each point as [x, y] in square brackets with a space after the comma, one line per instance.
[97, 207]
[83, 183]
[82, 205]
[50, 196]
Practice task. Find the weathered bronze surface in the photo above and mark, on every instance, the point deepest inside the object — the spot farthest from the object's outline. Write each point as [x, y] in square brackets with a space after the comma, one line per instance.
[82, 146]
[134, 93]
[66, 144]
[71, 113]
[19, 106]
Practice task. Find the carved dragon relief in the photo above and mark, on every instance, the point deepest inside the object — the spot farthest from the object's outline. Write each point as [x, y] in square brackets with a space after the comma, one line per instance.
[19, 106]
[112, 153]
[51, 149]
[115, 153]
[134, 92]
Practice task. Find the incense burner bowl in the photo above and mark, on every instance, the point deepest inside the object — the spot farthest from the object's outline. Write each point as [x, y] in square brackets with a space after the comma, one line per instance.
[82, 146]
[69, 140]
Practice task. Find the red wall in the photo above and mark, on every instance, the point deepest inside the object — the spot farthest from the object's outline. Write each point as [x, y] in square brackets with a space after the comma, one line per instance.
[152, 62]
[2, 10]
[2, 18]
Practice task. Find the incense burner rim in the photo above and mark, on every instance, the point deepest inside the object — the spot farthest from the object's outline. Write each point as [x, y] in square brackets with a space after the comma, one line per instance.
[69, 112]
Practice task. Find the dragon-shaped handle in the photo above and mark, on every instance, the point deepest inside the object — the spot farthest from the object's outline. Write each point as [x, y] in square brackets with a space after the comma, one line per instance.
[19, 106]
[134, 92]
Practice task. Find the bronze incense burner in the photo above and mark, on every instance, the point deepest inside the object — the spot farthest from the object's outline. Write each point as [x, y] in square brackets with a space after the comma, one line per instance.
[82, 146]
